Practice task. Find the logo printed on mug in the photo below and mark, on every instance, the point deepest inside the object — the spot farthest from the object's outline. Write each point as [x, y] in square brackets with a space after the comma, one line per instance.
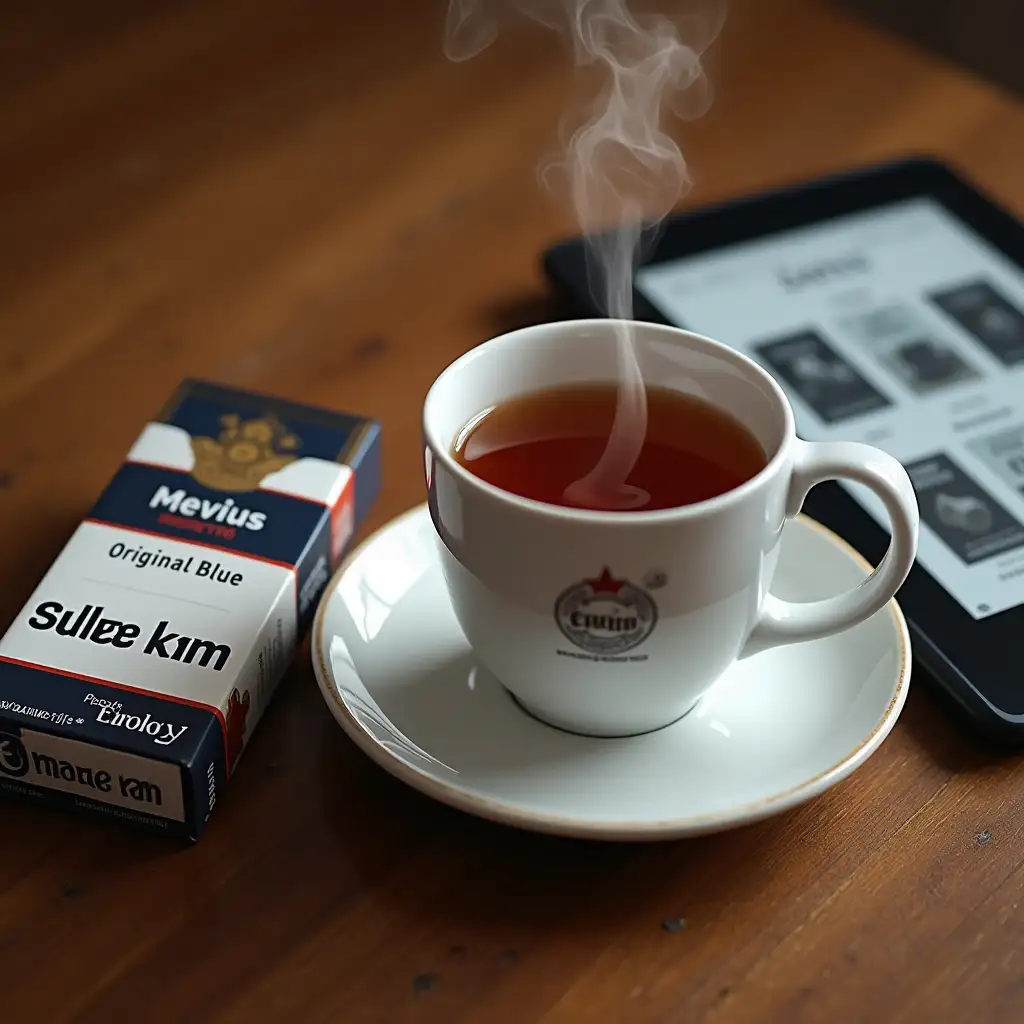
[605, 615]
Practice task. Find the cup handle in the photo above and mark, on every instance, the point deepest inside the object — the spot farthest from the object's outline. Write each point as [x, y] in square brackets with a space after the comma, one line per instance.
[786, 622]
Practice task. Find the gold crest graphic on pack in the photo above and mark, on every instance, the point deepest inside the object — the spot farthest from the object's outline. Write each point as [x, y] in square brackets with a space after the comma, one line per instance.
[245, 453]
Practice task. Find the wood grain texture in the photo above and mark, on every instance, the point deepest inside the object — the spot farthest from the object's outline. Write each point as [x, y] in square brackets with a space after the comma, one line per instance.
[303, 196]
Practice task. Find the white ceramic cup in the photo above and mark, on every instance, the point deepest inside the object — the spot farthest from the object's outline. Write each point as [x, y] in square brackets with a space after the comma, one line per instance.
[615, 623]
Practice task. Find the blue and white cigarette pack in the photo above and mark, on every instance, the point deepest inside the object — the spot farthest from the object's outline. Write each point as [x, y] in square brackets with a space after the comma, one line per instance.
[134, 676]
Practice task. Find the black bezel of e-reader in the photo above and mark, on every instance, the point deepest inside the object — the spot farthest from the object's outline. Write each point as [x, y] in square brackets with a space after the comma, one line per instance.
[977, 662]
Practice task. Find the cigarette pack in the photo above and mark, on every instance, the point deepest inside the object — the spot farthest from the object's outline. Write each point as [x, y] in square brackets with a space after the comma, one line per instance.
[135, 674]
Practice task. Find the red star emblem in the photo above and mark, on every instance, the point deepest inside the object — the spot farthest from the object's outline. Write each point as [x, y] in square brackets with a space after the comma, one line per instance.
[606, 583]
[238, 709]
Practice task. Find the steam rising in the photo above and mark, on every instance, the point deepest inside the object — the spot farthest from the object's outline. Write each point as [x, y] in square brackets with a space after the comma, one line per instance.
[624, 172]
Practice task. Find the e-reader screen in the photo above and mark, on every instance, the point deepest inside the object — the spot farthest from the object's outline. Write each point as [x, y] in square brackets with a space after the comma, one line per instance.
[901, 327]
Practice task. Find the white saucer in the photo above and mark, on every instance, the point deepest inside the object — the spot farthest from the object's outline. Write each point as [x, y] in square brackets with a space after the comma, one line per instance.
[778, 729]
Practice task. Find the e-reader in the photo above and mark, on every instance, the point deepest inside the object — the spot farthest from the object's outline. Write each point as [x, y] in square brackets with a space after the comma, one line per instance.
[889, 304]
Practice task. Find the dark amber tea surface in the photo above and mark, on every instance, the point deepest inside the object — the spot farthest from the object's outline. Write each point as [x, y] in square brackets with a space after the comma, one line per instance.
[537, 445]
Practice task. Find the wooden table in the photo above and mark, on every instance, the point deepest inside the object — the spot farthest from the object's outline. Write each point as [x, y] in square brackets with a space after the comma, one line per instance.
[296, 197]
